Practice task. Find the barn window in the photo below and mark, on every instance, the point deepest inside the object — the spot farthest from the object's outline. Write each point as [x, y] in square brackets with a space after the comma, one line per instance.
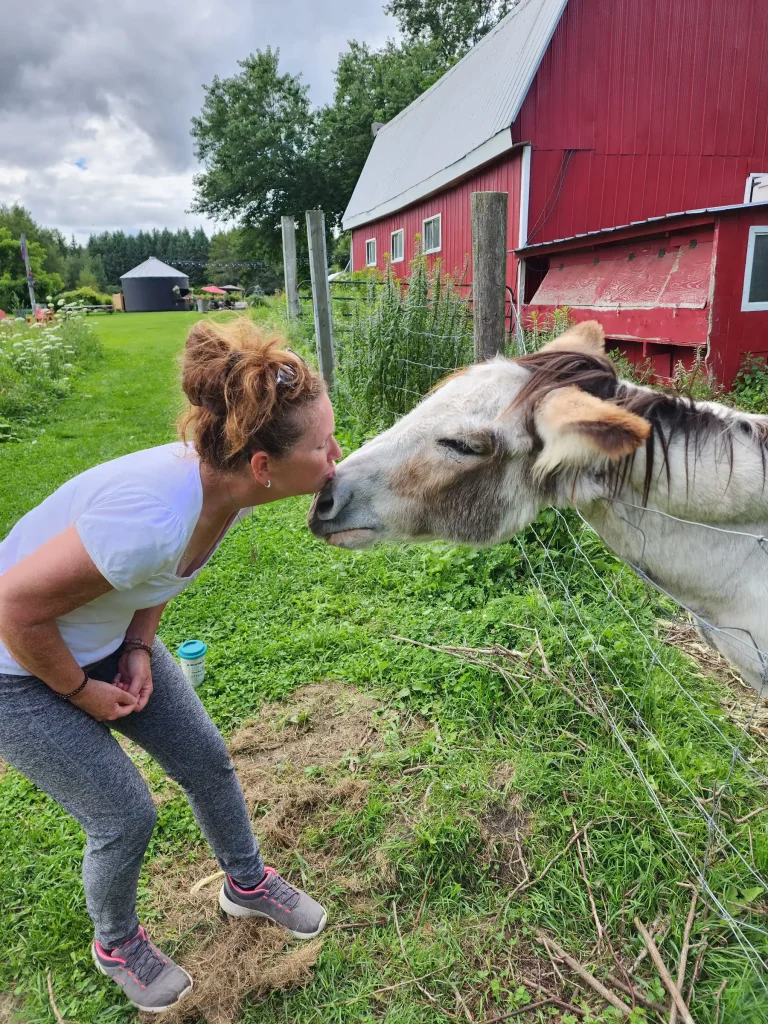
[433, 233]
[398, 246]
[755, 295]
[370, 252]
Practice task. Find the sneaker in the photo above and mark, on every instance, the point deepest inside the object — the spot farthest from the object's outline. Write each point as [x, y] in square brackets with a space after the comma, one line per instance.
[151, 980]
[277, 900]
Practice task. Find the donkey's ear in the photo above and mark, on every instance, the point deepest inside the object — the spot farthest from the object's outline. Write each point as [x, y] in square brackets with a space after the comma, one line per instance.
[577, 428]
[587, 337]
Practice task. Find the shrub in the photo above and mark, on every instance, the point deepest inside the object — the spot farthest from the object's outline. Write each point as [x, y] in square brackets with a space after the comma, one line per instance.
[83, 297]
[37, 363]
[400, 340]
[750, 388]
[638, 373]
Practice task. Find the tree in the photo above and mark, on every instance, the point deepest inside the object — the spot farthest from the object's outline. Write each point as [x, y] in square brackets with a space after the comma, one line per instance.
[13, 275]
[17, 219]
[253, 136]
[371, 85]
[238, 246]
[453, 25]
[92, 273]
[266, 152]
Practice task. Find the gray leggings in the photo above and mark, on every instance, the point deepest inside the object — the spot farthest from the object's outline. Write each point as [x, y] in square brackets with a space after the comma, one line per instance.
[78, 762]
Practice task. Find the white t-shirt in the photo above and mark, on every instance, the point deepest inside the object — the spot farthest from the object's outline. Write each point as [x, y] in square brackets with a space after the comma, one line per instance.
[135, 516]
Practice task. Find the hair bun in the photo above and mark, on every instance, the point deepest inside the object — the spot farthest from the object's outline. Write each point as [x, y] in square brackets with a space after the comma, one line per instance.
[235, 378]
[204, 367]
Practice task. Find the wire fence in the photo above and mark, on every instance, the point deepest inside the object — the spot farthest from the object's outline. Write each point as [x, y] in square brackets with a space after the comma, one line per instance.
[394, 343]
[693, 737]
[722, 860]
[396, 338]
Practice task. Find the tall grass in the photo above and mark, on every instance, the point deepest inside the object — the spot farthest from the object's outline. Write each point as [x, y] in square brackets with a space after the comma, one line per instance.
[539, 328]
[401, 339]
[37, 364]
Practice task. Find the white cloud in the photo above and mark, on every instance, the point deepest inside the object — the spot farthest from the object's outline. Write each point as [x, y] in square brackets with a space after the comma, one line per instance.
[113, 88]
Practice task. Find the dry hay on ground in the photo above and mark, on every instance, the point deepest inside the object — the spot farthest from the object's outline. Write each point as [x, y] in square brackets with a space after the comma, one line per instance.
[326, 726]
[9, 1009]
[239, 958]
[301, 765]
[741, 705]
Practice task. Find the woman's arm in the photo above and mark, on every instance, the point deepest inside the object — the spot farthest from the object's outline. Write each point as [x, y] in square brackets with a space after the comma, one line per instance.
[55, 579]
[144, 624]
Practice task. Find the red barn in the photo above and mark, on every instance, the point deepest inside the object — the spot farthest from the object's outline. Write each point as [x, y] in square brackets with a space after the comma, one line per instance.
[631, 138]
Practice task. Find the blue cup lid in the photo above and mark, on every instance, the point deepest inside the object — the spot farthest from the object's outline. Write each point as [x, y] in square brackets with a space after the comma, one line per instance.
[192, 649]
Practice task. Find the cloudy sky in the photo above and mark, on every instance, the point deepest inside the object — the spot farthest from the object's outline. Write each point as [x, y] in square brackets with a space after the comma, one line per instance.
[96, 97]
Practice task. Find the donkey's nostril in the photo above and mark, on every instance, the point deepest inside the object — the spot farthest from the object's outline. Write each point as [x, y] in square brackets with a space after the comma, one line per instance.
[324, 505]
[329, 503]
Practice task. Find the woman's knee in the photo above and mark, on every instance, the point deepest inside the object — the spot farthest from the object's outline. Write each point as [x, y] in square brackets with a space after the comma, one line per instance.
[128, 827]
[142, 817]
[208, 759]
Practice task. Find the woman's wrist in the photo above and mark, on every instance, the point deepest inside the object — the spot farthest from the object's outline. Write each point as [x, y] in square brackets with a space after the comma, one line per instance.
[69, 694]
[135, 643]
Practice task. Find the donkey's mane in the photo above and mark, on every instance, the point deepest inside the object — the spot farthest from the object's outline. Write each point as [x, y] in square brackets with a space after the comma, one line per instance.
[673, 417]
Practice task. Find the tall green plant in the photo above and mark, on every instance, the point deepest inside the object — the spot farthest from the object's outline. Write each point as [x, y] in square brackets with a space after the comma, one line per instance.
[539, 328]
[750, 389]
[402, 338]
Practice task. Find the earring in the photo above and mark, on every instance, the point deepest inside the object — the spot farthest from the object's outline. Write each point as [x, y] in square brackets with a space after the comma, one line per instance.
[268, 484]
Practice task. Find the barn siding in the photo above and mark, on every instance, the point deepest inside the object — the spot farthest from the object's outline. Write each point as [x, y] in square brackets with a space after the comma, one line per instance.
[454, 205]
[662, 105]
[735, 333]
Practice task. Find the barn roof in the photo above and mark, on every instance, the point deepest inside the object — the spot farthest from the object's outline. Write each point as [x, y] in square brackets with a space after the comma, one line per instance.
[153, 268]
[459, 123]
[661, 220]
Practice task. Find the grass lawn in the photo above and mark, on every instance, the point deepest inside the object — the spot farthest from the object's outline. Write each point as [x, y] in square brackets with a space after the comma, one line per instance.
[410, 790]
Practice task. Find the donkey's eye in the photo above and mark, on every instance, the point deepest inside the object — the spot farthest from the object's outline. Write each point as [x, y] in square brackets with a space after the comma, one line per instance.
[458, 446]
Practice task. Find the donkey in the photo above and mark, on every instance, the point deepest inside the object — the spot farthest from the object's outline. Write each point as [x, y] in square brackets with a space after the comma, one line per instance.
[675, 487]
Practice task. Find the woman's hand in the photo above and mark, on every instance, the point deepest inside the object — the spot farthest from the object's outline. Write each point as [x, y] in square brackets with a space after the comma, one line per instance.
[105, 702]
[134, 676]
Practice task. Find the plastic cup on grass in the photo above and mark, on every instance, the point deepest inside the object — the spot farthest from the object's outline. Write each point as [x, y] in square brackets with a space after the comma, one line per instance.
[192, 657]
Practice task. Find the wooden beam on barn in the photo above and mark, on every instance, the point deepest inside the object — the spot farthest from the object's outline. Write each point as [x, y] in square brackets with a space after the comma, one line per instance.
[489, 272]
[293, 308]
[321, 293]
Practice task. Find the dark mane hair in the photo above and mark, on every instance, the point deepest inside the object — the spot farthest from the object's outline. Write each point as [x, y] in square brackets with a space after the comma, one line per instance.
[672, 417]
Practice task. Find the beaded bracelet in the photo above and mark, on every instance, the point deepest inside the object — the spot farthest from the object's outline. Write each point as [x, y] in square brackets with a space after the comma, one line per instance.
[82, 686]
[135, 644]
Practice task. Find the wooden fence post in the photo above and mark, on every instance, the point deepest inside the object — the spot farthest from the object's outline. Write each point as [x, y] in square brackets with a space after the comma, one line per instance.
[489, 271]
[293, 308]
[321, 293]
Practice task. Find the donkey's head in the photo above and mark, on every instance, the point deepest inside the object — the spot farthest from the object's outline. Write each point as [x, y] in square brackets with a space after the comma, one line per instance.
[486, 450]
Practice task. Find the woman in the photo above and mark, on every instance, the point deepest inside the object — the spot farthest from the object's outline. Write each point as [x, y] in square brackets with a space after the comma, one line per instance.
[84, 579]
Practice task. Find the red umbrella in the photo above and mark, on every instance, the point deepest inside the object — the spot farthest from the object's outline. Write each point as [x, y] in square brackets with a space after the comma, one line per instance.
[213, 290]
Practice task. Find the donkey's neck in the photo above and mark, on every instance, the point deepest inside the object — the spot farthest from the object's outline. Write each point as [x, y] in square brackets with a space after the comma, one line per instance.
[703, 462]
[700, 535]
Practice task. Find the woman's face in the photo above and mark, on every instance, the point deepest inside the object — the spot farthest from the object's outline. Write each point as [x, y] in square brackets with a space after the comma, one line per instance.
[312, 462]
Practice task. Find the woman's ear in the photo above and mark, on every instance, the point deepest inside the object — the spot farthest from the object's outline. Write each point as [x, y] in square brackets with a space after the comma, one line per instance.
[260, 467]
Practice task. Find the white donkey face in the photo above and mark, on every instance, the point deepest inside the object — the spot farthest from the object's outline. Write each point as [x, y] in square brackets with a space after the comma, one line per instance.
[469, 464]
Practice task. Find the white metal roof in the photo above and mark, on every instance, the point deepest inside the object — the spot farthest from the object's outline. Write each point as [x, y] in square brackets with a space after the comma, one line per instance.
[461, 122]
[153, 268]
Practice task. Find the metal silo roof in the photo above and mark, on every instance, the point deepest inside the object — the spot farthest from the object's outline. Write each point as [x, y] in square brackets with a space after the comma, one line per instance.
[153, 268]
[460, 122]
